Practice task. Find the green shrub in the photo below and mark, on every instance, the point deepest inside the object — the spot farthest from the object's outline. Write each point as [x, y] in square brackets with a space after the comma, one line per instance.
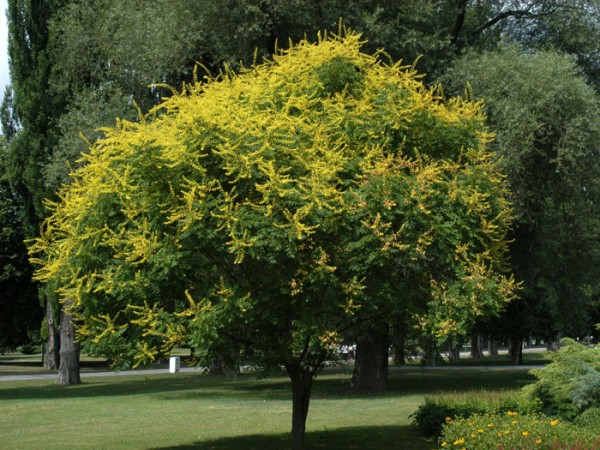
[431, 416]
[589, 418]
[570, 384]
[511, 430]
[29, 348]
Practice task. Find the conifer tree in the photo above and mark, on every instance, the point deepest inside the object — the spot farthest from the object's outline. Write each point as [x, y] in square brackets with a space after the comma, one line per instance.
[28, 115]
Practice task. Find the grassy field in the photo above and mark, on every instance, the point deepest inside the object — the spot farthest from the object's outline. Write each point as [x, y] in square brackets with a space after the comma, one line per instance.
[192, 411]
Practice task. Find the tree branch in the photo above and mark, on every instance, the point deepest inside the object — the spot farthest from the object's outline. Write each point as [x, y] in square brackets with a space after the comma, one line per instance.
[340, 329]
[460, 20]
[519, 14]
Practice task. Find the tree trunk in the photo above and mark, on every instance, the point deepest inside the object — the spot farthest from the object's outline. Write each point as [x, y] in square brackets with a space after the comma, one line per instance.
[515, 350]
[68, 371]
[400, 341]
[371, 363]
[493, 347]
[301, 388]
[476, 346]
[217, 366]
[454, 352]
[52, 359]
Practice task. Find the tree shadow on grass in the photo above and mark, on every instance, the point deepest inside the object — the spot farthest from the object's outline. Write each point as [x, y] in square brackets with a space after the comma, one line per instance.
[330, 385]
[17, 363]
[168, 387]
[350, 438]
[430, 381]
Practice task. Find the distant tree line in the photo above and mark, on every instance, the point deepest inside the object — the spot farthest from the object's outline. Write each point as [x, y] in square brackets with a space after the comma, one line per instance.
[76, 66]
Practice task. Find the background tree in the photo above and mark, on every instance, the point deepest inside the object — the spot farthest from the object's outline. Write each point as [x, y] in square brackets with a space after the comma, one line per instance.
[20, 315]
[27, 120]
[276, 209]
[547, 136]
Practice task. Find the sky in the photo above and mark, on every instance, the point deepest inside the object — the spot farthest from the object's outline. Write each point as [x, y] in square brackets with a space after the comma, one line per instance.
[4, 77]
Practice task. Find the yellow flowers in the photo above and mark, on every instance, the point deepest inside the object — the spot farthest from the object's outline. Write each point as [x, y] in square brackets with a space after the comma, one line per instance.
[500, 430]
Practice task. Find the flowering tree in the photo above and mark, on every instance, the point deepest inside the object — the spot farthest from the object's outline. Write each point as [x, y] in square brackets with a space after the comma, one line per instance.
[276, 208]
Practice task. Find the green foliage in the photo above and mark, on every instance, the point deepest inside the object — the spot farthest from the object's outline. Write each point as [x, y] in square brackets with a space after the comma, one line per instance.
[430, 418]
[571, 27]
[79, 127]
[129, 45]
[570, 384]
[32, 346]
[31, 110]
[44, 331]
[589, 418]
[19, 305]
[513, 430]
[547, 128]
[252, 210]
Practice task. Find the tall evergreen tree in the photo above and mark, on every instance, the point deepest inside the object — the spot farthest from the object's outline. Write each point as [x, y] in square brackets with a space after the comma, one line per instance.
[29, 118]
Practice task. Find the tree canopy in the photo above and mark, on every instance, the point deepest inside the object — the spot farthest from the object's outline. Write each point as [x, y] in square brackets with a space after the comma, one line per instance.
[546, 119]
[273, 209]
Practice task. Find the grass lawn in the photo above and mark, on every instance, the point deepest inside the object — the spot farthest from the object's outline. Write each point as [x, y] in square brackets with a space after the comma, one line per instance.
[188, 410]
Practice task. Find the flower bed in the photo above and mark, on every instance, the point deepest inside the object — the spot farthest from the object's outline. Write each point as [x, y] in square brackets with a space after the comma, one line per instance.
[511, 430]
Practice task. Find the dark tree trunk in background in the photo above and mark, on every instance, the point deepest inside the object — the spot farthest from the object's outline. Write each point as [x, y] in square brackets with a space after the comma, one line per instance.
[68, 371]
[515, 350]
[371, 363]
[493, 347]
[454, 353]
[52, 359]
[217, 366]
[476, 346]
